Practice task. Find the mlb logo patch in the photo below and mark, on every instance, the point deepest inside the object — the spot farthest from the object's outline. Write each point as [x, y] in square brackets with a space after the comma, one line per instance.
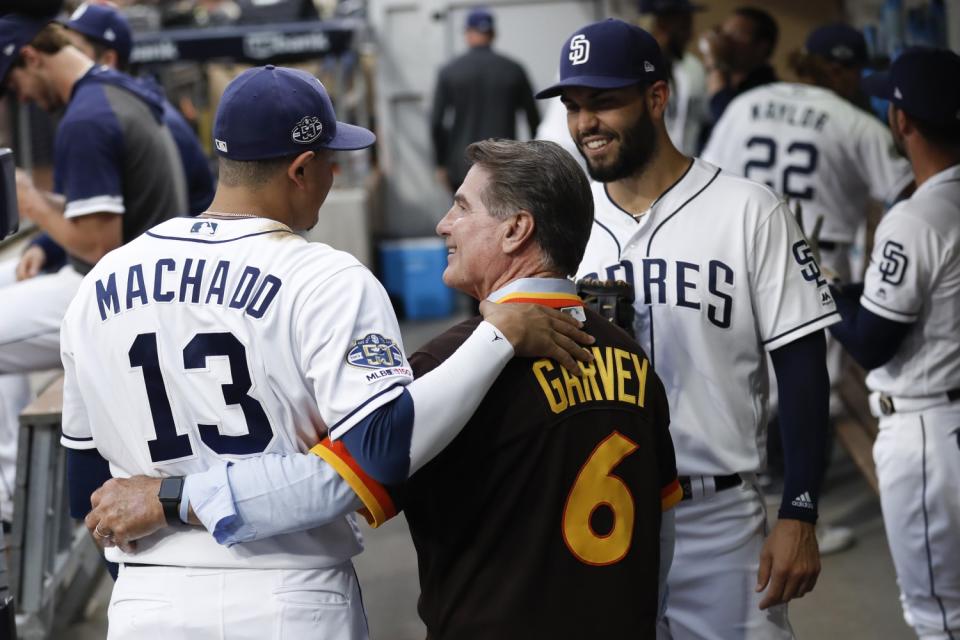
[307, 130]
[205, 227]
[221, 145]
[374, 351]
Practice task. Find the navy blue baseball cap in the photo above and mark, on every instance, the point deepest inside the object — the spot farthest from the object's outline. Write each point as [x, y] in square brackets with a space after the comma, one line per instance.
[919, 82]
[608, 55]
[15, 32]
[656, 7]
[271, 112]
[103, 25]
[480, 19]
[838, 42]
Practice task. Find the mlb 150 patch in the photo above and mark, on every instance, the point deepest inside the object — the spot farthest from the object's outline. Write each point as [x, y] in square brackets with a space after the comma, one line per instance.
[374, 351]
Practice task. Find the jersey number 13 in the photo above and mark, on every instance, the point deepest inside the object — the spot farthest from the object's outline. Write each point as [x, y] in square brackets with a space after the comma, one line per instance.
[169, 445]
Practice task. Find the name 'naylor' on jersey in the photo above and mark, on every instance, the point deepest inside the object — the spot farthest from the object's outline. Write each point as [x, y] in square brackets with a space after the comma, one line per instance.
[186, 280]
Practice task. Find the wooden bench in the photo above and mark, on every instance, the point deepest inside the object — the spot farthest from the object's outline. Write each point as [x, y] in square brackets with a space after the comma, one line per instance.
[858, 430]
[54, 565]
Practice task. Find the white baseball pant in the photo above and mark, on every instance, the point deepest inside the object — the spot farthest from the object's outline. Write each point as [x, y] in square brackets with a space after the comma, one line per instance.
[32, 311]
[711, 587]
[918, 467]
[160, 603]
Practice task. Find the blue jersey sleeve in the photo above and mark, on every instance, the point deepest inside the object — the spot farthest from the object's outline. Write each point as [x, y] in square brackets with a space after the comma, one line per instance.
[88, 157]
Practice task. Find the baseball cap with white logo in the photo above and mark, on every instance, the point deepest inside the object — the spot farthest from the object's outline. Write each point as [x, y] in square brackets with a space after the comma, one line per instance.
[271, 112]
[15, 32]
[105, 26]
[924, 83]
[839, 43]
[610, 54]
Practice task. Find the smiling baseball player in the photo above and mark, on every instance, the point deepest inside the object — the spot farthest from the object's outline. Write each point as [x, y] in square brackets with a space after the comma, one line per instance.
[903, 324]
[229, 337]
[722, 275]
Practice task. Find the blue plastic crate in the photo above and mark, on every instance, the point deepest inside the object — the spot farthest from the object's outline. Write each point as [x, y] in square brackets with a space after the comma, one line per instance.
[412, 273]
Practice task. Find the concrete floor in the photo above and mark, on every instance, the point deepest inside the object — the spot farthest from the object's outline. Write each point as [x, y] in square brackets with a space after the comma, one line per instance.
[856, 597]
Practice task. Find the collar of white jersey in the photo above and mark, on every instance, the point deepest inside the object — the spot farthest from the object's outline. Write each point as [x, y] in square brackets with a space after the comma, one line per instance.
[697, 175]
[949, 174]
[216, 230]
[557, 293]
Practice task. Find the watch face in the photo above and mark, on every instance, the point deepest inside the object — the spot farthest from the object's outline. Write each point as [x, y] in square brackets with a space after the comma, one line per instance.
[170, 489]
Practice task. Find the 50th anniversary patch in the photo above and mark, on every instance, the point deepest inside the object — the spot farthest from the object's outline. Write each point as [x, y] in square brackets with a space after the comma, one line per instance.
[375, 351]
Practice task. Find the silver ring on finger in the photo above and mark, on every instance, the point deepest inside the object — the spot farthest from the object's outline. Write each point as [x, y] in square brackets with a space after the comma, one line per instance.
[106, 535]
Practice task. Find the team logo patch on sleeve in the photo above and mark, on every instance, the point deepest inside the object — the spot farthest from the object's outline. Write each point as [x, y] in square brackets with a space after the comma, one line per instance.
[375, 352]
[379, 353]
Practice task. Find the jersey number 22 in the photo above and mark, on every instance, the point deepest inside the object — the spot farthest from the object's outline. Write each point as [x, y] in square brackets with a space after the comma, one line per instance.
[169, 445]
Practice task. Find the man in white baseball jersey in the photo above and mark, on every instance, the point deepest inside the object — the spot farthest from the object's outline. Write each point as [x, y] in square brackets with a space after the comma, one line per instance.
[903, 324]
[809, 143]
[722, 275]
[827, 157]
[218, 339]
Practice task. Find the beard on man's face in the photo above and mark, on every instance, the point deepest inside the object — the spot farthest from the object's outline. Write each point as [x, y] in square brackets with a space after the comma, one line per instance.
[637, 146]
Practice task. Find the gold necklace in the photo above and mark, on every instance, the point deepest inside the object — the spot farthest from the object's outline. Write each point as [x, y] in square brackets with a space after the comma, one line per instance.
[224, 214]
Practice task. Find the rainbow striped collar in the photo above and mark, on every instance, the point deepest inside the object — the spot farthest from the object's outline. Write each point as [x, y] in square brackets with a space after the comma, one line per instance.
[558, 293]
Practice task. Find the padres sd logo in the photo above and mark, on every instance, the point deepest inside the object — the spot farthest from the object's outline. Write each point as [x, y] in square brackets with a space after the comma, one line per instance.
[374, 352]
[579, 49]
[307, 130]
[894, 263]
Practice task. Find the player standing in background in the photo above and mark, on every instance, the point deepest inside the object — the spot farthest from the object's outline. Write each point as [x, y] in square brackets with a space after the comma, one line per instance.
[722, 275]
[687, 111]
[102, 34]
[103, 197]
[903, 324]
[228, 337]
[809, 142]
[737, 56]
[477, 96]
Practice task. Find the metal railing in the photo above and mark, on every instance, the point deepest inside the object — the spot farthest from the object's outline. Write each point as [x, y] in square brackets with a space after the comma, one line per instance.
[54, 565]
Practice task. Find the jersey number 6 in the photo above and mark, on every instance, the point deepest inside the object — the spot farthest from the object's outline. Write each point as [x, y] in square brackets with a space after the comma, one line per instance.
[596, 487]
[169, 445]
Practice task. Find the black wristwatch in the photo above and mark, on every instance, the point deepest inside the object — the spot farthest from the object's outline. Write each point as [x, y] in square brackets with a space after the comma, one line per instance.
[171, 489]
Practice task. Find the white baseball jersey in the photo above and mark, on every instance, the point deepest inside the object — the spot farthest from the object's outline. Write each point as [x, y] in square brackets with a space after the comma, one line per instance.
[687, 109]
[914, 277]
[812, 146]
[721, 273]
[213, 339]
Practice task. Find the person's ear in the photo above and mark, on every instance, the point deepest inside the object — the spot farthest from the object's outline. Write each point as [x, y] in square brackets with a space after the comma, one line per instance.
[110, 58]
[657, 96]
[519, 231]
[296, 171]
[30, 56]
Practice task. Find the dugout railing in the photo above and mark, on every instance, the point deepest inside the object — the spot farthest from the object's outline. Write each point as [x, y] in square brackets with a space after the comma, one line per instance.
[54, 565]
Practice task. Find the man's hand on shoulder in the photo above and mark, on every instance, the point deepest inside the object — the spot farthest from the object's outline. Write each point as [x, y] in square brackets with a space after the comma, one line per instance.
[789, 562]
[538, 331]
[125, 510]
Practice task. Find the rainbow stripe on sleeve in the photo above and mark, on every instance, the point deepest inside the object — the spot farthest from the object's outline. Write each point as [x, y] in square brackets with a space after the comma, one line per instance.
[378, 506]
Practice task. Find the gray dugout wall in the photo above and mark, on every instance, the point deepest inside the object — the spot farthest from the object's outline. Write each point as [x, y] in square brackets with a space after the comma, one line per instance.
[414, 39]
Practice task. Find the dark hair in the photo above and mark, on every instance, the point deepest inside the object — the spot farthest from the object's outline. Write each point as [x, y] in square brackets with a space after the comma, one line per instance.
[943, 136]
[250, 173]
[764, 26]
[539, 177]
